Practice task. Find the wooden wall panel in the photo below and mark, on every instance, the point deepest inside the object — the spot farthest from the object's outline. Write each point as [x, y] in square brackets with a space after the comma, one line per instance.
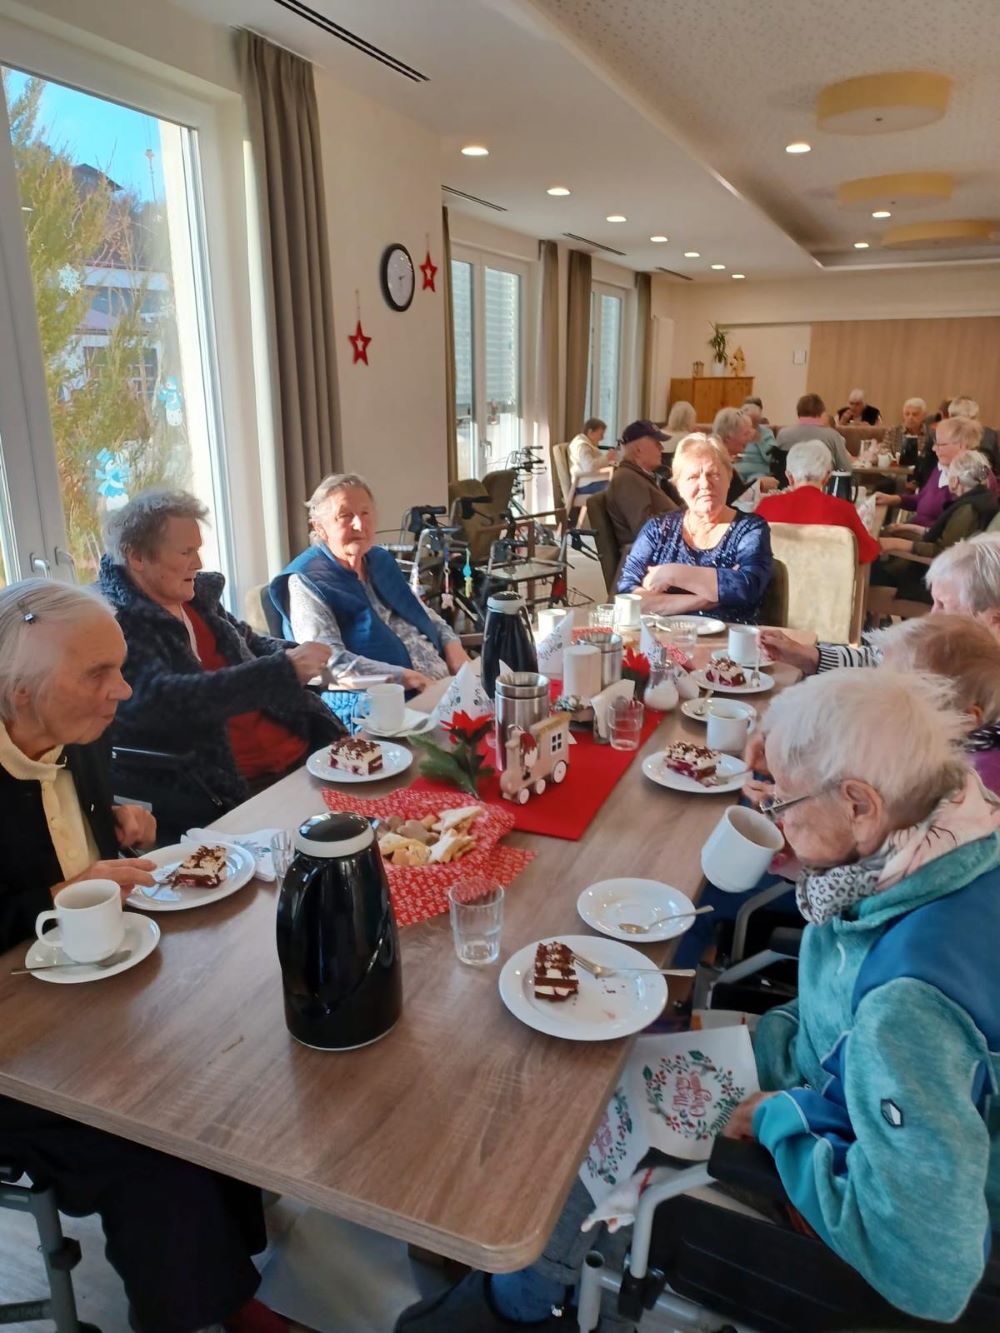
[896, 359]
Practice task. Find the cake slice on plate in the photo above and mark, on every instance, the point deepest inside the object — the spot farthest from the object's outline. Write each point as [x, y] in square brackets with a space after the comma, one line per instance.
[357, 755]
[555, 975]
[691, 761]
[724, 671]
[205, 868]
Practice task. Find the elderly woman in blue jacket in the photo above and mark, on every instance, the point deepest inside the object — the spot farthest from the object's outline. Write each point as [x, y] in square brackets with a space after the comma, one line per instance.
[349, 593]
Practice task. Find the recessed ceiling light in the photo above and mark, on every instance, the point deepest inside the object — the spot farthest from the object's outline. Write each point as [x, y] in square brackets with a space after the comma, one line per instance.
[616, 217]
[861, 245]
[659, 239]
[475, 150]
[798, 147]
[557, 190]
[718, 267]
[738, 277]
[881, 213]
[692, 254]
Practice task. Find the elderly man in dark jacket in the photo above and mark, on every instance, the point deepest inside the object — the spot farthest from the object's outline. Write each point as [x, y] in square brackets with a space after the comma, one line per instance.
[203, 683]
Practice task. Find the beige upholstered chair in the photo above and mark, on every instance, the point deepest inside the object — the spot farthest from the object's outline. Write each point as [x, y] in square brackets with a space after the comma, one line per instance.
[826, 586]
[564, 478]
[561, 473]
[609, 553]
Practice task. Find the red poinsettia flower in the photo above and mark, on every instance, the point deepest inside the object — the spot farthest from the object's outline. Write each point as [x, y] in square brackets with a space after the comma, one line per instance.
[464, 727]
[637, 663]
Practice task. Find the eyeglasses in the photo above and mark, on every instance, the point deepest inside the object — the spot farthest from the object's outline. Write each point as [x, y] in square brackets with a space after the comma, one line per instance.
[771, 807]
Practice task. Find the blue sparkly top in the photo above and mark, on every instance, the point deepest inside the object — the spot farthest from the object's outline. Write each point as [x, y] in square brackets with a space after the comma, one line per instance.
[742, 560]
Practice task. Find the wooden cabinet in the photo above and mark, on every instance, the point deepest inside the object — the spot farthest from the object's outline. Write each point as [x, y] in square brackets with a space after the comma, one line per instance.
[707, 395]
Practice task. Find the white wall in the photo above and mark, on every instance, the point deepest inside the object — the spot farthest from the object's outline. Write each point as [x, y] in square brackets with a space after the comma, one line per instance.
[381, 178]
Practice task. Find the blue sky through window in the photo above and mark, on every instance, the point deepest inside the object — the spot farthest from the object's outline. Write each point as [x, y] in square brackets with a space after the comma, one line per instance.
[102, 134]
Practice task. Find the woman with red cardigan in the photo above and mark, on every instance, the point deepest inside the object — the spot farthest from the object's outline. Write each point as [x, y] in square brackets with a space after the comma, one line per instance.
[808, 469]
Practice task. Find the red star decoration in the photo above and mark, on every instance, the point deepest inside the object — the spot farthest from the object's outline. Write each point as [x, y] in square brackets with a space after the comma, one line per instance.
[429, 269]
[359, 340]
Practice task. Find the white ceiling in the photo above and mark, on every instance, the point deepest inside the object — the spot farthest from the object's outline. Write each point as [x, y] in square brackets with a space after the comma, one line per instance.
[673, 112]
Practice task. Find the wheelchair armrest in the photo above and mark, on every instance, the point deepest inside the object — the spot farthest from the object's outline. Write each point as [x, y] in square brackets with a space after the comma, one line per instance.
[747, 1166]
[786, 940]
[161, 759]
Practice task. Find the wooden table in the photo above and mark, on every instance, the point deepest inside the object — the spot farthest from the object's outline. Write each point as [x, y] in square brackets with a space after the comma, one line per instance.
[461, 1131]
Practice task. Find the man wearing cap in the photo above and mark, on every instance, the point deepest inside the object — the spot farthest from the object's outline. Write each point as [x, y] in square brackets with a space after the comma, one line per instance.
[634, 494]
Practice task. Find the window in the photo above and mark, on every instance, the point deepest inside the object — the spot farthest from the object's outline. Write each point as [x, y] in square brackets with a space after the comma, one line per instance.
[605, 368]
[110, 204]
[487, 309]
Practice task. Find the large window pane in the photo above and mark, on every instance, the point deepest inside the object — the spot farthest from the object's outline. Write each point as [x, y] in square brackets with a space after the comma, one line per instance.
[110, 203]
[465, 398]
[610, 356]
[503, 366]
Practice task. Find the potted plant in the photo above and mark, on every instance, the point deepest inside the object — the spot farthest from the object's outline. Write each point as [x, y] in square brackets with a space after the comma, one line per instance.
[719, 343]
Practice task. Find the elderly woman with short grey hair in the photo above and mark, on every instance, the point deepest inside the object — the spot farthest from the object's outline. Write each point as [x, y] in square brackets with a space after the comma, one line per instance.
[755, 461]
[808, 468]
[349, 593]
[204, 684]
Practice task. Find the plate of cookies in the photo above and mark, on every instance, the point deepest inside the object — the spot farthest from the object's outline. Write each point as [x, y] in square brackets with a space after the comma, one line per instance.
[431, 840]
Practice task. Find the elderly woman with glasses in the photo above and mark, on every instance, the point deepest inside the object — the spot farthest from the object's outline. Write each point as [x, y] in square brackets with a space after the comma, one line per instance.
[202, 682]
[708, 559]
[877, 1080]
[180, 1237]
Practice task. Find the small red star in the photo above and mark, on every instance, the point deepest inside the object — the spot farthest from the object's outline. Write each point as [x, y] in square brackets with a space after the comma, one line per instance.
[429, 269]
[359, 340]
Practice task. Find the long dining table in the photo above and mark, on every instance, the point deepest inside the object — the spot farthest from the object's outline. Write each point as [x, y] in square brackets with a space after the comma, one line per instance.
[460, 1132]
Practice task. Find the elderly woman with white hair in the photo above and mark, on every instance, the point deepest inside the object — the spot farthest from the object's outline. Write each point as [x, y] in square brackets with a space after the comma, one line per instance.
[681, 420]
[952, 437]
[203, 683]
[963, 406]
[180, 1237]
[876, 1081]
[913, 426]
[755, 461]
[349, 593]
[708, 559]
[808, 468]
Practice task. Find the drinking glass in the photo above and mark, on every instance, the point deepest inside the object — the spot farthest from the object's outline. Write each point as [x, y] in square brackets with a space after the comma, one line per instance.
[625, 723]
[282, 853]
[683, 637]
[603, 616]
[476, 908]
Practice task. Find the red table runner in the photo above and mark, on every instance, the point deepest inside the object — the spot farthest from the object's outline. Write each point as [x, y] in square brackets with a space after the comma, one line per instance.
[564, 811]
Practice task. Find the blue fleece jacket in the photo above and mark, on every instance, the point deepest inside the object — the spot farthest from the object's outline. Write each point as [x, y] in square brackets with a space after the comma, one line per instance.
[886, 1133]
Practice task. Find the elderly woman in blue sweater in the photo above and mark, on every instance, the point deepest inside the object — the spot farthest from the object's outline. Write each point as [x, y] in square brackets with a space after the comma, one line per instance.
[349, 593]
[708, 559]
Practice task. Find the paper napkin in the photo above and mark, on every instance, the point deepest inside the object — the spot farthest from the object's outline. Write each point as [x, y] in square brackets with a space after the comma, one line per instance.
[620, 689]
[550, 650]
[465, 694]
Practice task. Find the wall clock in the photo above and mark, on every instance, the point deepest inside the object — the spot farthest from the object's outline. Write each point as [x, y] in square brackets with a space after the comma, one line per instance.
[398, 278]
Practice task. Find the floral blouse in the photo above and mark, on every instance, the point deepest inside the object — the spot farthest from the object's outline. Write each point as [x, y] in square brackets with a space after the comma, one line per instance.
[742, 560]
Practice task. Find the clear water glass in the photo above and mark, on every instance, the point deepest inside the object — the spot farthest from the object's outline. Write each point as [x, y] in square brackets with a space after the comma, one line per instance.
[282, 853]
[476, 908]
[625, 723]
[603, 616]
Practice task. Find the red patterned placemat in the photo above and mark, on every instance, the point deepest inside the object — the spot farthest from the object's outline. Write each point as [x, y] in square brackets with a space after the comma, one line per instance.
[564, 811]
[419, 892]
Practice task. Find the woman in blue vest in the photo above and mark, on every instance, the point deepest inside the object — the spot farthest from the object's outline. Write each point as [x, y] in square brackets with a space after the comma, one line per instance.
[349, 593]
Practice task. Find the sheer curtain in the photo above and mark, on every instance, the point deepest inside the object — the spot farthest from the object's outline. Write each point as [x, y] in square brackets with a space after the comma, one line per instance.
[451, 416]
[284, 130]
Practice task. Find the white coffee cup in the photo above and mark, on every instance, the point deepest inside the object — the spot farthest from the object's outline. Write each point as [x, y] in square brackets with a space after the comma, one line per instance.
[628, 608]
[385, 707]
[885, 460]
[739, 849]
[89, 918]
[728, 725]
[744, 645]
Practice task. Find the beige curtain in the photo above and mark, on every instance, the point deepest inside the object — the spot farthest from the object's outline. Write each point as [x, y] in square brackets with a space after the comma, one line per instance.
[644, 349]
[451, 420]
[548, 253]
[284, 130]
[577, 340]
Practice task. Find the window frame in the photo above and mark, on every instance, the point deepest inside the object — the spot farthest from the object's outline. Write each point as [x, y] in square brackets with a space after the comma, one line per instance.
[223, 276]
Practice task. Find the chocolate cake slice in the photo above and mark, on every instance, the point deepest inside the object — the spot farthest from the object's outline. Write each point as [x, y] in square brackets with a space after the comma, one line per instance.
[692, 761]
[356, 754]
[555, 976]
[205, 868]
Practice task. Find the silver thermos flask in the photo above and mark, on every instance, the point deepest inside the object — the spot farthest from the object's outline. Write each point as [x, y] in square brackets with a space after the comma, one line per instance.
[520, 701]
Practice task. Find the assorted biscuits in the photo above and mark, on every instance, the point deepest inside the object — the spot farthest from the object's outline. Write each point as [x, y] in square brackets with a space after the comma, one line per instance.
[436, 839]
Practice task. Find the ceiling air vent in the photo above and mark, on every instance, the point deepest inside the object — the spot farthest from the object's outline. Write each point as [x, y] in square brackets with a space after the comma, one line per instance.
[594, 245]
[327, 25]
[674, 274]
[473, 199]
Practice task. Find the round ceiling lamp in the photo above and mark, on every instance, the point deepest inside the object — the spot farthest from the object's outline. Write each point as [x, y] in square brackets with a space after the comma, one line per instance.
[903, 189]
[883, 103]
[958, 231]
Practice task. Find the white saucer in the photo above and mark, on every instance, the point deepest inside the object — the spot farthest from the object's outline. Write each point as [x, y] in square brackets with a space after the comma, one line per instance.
[765, 683]
[415, 723]
[613, 1007]
[141, 936]
[240, 869]
[654, 767]
[690, 709]
[605, 904]
[747, 666]
[704, 626]
[395, 759]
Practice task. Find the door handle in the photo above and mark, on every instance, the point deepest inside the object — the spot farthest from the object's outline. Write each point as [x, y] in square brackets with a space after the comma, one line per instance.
[40, 565]
[64, 558]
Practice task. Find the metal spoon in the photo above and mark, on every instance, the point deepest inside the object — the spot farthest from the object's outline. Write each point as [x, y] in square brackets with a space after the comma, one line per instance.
[633, 927]
[112, 961]
[702, 707]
